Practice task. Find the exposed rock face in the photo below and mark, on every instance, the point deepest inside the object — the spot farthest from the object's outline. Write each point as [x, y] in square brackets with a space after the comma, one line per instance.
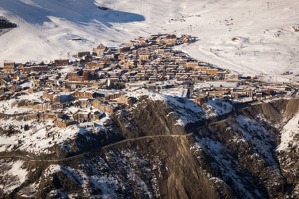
[4, 24]
[250, 152]
[148, 118]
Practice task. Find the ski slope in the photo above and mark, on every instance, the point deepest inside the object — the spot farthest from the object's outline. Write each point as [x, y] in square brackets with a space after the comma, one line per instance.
[249, 37]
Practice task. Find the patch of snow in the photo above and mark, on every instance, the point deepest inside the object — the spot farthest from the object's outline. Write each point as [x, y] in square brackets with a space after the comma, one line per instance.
[17, 173]
[39, 138]
[259, 136]
[185, 109]
[289, 131]
[217, 107]
[175, 92]
[216, 150]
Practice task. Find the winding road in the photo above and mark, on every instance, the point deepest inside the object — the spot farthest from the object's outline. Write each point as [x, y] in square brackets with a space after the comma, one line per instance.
[29, 159]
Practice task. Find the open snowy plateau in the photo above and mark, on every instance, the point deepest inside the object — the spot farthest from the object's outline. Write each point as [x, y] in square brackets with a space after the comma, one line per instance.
[249, 37]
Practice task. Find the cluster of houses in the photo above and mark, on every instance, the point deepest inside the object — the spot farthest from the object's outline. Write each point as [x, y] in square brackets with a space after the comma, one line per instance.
[83, 89]
[84, 105]
[242, 91]
[150, 59]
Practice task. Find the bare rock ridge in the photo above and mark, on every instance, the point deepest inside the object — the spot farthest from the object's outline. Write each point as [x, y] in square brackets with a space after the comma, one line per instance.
[152, 151]
[5, 24]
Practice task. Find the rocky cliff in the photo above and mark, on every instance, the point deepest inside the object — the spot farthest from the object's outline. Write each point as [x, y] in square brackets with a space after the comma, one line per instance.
[168, 147]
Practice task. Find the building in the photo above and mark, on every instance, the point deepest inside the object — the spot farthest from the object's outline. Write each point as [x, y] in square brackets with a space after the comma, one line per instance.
[84, 94]
[211, 71]
[231, 77]
[104, 106]
[82, 116]
[61, 62]
[36, 69]
[9, 66]
[201, 100]
[126, 100]
[49, 116]
[99, 51]
[82, 54]
[219, 93]
[61, 123]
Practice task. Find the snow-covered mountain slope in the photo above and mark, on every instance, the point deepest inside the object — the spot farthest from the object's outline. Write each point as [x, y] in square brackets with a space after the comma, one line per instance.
[257, 37]
[251, 152]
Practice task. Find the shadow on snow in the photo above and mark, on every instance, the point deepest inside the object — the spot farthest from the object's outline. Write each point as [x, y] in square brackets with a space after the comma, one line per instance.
[82, 12]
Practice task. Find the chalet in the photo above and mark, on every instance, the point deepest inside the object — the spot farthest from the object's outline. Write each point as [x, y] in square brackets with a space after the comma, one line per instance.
[87, 125]
[144, 54]
[14, 88]
[61, 62]
[87, 74]
[54, 97]
[94, 65]
[170, 40]
[187, 39]
[9, 66]
[192, 65]
[112, 80]
[4, 75]
[131, 63]
[152, 79]
[84, 94]
[111, 96]
[82, 54]
[141, 41]
[61, 123]
[41, 68]
[249, 93]
[65, 90]
[121, 57]
[231, 77]
[237, 94]
[3, 82]
[49, 115]
[201, 99]
[84, 102]
[42, 106]
[9, 63]
[268, 92]
[124, 49]
[35, 69]
[99, 51]
[82, 116]
[126, 100]
[219, 93]
[221, 74]
[16, 76]
[47, 106]
[98, 104]
[74, 76]
[104, 107]
[31, 90]
[26, 69]
[211, 71]
[36, 83]
[258, 94]
[98, 115]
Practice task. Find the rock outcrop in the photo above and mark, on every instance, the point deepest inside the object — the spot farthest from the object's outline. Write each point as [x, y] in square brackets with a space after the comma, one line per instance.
[248, 152]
